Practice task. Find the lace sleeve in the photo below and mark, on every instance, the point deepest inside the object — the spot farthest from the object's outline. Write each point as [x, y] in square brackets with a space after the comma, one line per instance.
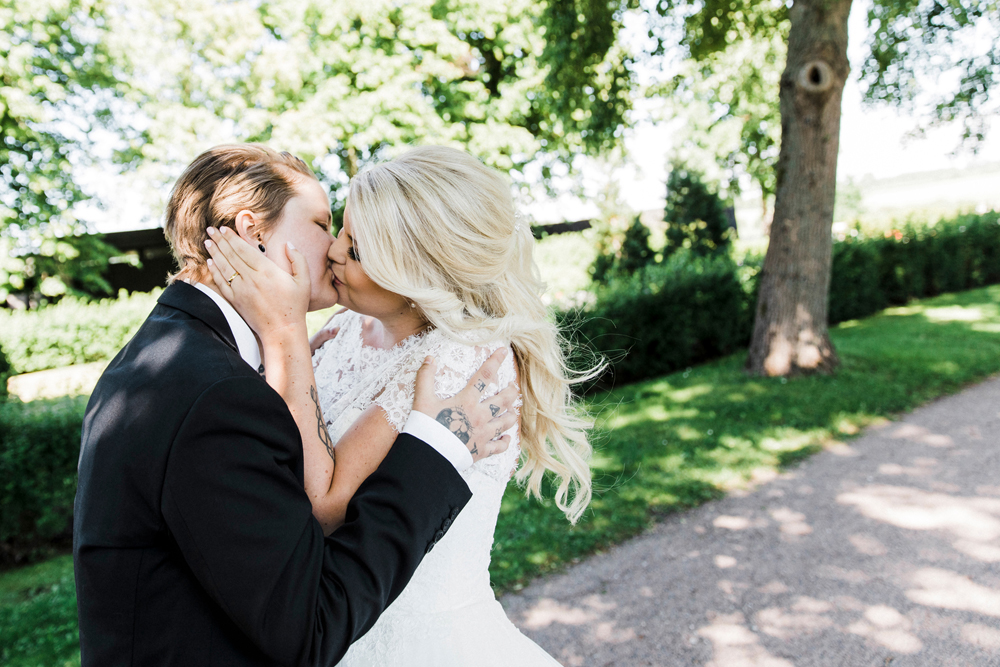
[456, 363]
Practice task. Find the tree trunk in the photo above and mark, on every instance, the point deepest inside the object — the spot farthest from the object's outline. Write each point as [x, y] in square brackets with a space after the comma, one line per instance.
[790, 335]
[352, 162]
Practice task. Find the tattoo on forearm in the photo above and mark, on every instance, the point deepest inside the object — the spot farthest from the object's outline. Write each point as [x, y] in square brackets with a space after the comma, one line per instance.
[480, 385]
[457, 423]
[494, 409]
[324, 436]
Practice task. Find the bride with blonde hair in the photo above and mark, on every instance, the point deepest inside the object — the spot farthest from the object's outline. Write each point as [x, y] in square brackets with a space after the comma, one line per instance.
[433, 261]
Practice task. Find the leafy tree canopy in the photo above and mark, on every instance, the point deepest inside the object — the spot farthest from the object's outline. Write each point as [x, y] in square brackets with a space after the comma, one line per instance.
[735, 52]
[916, 41]
[338, 83]
[625, 256]
[53, 63]
[344, 82]
[695, 215]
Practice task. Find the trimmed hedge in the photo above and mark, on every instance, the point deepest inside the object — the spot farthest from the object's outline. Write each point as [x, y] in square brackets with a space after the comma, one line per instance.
[72, 331]
[39, 449]
[689, 309]
[667, 316]
[871, 273]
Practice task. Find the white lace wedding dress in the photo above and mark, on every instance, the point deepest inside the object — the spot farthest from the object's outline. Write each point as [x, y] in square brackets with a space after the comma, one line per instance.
[447, 616]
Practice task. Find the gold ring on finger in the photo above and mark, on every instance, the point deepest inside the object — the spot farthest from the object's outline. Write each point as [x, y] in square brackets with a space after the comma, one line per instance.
[236, 274]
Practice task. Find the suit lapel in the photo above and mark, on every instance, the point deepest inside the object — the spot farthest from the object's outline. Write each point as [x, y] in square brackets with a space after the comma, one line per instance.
[190, 300]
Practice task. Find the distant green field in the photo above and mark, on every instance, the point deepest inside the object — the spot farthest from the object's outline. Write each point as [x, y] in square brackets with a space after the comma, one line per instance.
[563, 260]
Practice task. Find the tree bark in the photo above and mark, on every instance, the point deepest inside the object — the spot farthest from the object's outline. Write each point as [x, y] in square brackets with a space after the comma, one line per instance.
[352, 162]
[790, 335]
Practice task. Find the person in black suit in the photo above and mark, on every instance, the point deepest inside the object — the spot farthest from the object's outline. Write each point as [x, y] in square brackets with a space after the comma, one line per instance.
[193, 539]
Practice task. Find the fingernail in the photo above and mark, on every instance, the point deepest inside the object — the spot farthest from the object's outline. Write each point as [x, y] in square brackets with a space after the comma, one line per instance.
[428, 359]
[224, 230]
[208, 244]
[291, 246]
[211, 231]
[210, 262]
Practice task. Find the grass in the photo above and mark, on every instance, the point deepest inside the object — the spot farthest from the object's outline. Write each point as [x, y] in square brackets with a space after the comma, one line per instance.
[674, 442]
[38, 616]
[661, 446]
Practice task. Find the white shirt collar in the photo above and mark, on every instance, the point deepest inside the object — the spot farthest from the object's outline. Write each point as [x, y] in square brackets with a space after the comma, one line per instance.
[246, 342]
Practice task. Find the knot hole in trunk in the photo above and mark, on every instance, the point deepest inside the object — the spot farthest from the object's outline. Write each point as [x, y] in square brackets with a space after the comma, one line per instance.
[815, 77]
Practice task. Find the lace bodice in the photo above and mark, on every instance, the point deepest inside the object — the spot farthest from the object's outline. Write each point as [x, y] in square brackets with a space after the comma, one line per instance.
[447, 616]
[350, 376]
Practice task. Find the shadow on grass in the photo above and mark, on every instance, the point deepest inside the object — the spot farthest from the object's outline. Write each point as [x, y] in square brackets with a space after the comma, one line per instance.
[675, 442]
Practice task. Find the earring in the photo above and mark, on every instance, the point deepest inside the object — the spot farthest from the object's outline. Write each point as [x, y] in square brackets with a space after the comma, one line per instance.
[260, 246]
[413, 305]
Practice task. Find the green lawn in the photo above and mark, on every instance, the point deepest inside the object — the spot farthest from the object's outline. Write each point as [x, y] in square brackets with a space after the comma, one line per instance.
[38, 616]
[674, 442]
[662, 445]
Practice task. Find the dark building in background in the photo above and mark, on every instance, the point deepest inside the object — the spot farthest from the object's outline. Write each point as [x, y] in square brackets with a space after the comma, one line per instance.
[541, 231]
[144, 262]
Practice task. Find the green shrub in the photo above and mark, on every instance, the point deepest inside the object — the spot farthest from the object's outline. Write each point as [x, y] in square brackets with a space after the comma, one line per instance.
[39, 449]
[854, 292]
[692, 308]
[664, 317]
[634, 254]
[870, 273]
[72, 331]
[695, 216]
[5, 373]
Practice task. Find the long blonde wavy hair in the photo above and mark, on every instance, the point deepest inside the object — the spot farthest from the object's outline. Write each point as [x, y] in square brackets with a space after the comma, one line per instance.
[438, 227]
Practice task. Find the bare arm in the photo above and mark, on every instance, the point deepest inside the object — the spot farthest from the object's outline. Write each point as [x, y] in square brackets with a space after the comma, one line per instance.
[289, 371]
[359, 452]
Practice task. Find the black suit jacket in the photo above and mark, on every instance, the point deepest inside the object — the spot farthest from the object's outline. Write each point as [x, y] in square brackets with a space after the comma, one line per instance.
[193, 540]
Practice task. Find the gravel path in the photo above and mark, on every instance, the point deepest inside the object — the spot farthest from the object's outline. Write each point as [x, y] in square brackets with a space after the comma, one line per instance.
[882, 551]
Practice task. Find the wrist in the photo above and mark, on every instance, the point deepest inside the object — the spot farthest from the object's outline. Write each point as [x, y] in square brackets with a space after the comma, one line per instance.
[285, 335]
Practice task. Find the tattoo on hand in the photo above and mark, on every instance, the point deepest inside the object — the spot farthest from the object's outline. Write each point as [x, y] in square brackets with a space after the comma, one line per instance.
[480, 385]
[494, 409]
[324, 436]
[457, 423]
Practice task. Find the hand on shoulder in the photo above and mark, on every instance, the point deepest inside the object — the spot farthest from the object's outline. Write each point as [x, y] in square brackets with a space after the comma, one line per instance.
[479, 424]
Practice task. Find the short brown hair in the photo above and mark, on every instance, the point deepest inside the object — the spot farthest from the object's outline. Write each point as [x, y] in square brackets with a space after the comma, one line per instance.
[219, 184]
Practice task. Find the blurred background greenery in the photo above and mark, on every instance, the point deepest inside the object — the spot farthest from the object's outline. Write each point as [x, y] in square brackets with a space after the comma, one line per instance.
[102, 104]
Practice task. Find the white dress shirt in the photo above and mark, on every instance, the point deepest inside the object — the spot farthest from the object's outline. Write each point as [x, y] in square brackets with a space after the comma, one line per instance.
[419, 425]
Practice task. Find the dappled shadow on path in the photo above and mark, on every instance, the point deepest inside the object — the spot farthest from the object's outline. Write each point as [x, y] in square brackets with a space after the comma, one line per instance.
[885, 551]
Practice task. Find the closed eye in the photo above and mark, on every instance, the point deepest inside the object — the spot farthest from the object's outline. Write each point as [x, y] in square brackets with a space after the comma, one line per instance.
[353, 254]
